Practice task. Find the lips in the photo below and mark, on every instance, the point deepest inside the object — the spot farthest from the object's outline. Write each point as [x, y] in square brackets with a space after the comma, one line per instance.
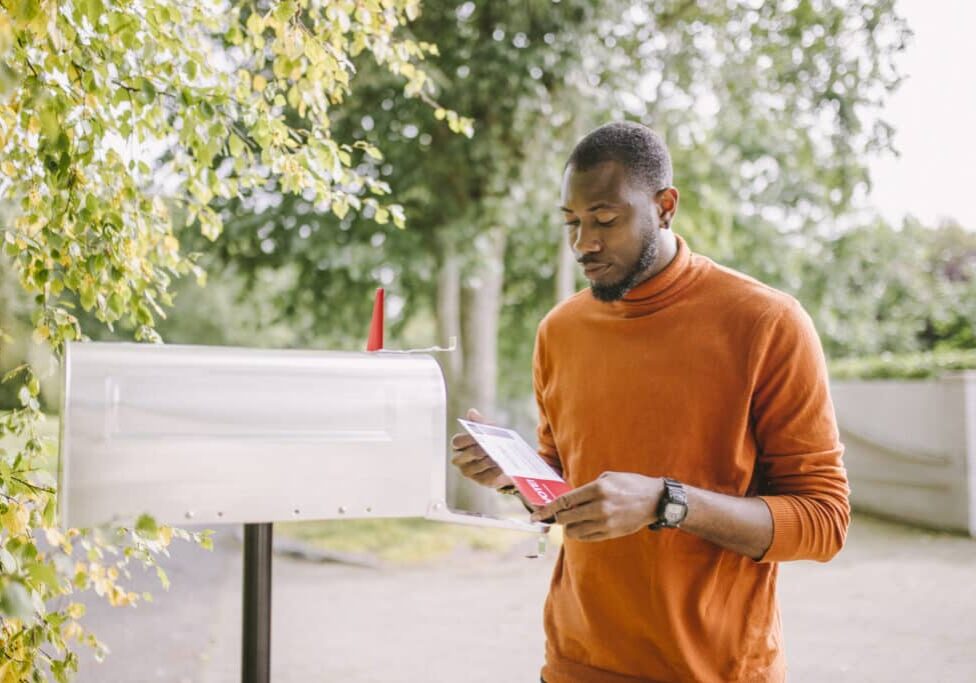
[592, 270]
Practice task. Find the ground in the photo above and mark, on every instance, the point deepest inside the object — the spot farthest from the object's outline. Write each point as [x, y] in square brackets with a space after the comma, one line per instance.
[898, 604]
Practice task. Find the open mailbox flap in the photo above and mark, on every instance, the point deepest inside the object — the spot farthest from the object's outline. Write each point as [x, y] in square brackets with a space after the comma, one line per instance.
[211, 435]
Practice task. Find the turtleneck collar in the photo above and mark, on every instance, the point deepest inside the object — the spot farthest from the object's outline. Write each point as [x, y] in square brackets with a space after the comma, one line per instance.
[659, 290]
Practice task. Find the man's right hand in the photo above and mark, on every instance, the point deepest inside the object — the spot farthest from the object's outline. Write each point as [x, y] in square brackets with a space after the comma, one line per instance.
[472, 460]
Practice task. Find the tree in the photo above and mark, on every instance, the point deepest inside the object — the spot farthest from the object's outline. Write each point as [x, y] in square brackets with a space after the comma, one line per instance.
[769, 109]
[880, 289]
[451, 261]
[121, 122]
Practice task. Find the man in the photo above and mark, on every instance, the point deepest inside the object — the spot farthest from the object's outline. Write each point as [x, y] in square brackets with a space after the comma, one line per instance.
[679, 395]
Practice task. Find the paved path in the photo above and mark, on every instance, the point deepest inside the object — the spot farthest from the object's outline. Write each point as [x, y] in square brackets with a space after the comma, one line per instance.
[169, 639]
[897, 605]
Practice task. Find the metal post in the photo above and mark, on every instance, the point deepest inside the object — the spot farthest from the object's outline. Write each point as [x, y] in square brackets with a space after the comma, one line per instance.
[256, 642]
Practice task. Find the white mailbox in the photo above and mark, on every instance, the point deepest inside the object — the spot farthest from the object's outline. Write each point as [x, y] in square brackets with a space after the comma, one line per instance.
[211, 435]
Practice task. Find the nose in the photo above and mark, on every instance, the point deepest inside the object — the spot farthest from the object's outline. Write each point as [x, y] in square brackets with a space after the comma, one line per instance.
[585, 241]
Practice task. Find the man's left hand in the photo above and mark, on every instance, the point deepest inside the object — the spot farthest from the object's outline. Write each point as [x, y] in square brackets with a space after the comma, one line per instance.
[615, 504]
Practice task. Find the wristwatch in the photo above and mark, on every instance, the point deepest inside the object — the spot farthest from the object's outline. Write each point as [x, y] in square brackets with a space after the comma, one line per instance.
[672, 508]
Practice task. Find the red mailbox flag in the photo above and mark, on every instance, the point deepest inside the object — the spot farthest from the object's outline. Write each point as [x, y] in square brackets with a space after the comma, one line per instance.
[375, 340]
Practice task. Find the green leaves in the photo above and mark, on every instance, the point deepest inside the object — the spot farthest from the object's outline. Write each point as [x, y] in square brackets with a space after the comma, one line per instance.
[42, 573]
[236, 145]
[163, 578]
[8, 563]
[15, 601]
[146, 527]
[123, 124]
[924, 365]
[101, 57]
[867, 299]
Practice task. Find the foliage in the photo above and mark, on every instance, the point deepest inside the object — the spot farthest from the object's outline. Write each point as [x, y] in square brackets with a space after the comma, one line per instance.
[336, 262]
[13, 309]
[878, 289]
[121, 122]
[769, 110]
[922, 365]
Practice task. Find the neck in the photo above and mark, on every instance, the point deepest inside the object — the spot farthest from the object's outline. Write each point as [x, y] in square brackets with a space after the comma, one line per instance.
[667, 248]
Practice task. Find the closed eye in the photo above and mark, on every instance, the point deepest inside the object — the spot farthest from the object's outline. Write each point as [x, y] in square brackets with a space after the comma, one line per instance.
[602, 224]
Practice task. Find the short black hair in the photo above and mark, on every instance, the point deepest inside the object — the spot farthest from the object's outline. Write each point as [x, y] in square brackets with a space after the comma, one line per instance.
[633, 145]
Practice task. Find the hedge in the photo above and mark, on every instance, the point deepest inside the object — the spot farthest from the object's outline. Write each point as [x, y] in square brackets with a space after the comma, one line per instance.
[922, 365]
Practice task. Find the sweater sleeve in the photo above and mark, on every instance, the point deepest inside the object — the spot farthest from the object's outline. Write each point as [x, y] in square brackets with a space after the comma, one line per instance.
[547, 443]
[801, 475]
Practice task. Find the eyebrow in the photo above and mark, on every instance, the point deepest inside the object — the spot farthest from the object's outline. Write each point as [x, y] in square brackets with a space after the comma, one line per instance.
[598, 205]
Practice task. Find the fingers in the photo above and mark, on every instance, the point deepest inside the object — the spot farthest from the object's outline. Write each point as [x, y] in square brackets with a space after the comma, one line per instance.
[482, 466]
[567, 501]
[489, 478]
[594, 510]
[472, 460]
[472, 464]
[468, 455]
[474, 416]
[464, 440]
[461, 441]
[476, 465]
[587, 531]
[486, 476]
[549, 510]
[486, 473]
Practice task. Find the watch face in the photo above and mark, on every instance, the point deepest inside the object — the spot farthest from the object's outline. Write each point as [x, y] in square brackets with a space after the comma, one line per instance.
[674, 513]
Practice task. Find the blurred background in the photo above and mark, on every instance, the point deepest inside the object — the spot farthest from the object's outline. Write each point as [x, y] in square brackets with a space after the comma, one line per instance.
[823, 146]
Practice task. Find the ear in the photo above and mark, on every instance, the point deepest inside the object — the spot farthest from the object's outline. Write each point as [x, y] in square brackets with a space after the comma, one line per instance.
[667, 204]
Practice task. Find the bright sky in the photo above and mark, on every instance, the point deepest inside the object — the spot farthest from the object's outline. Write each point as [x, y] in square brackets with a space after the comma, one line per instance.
[934, 115]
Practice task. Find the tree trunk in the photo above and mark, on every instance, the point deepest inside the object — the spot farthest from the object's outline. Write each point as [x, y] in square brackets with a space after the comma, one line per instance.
[565, 271]
[449, 325]
[482, 296]
[566, 267]
[449, 310]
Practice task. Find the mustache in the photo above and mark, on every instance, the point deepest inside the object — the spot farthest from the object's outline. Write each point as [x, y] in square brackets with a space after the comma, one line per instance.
[587, 259]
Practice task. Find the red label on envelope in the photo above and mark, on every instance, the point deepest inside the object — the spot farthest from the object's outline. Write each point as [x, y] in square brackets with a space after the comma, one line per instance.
[540, 491]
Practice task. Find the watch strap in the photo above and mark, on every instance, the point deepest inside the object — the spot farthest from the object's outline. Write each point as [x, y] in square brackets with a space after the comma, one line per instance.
[674, 493]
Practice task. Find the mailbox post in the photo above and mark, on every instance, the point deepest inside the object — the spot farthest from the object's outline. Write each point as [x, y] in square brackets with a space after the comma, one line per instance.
[213, 435]
[256, 639]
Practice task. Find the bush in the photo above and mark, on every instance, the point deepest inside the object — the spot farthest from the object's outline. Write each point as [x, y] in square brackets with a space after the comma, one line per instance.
[923, 365]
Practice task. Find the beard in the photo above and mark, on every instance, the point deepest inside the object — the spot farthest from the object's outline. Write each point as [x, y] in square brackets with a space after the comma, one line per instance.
[614, 291]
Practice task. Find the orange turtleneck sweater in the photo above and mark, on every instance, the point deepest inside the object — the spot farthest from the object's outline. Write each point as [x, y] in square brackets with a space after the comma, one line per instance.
[712, 378]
